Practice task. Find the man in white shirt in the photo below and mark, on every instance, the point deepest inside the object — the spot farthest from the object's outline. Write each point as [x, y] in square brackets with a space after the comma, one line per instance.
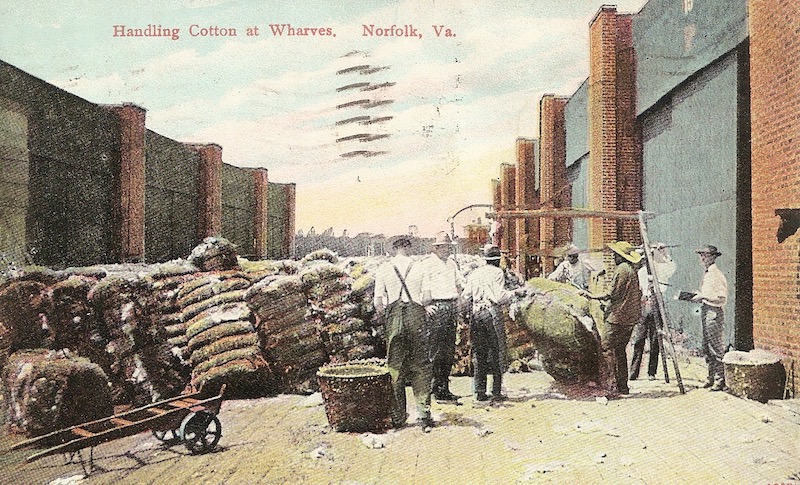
[572, 270]
[402, 288]
[485, 291]
[647, 329]
[713, 295]
[446, 283]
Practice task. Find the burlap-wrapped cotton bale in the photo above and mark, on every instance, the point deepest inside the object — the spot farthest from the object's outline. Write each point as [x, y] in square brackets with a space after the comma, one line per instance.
[462, 360]
[323, 254]
[20, 302]
[758, 374]
[46, 390]
[143, 367]
[205, 287]
[558, 320]
[220, 299]
[518, 339]
[40, 274]
[278, 303]
[221, 335]
[71, 319]
[322, 271]
[214, 253]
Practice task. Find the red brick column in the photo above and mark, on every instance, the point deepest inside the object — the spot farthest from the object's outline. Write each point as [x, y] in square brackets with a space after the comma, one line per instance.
[508, 201]
[602, 124]
[525, 192]
[291, 198]
[209, 193]
[775, 124]
[554, 191]
[498, 206]
[629, 140]
[260, 192]
[130, 202]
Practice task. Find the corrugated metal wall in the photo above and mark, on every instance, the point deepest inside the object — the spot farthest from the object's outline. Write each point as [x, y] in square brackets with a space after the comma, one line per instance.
[277, 221]
[73, 148]
[171, 191]
[576, 119]
[238, 208]
[690, 161]
[14, 177]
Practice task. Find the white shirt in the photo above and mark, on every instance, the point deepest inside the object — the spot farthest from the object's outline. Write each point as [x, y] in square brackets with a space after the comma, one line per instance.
[714, 288]
[387, 284]
[577, 273]
[664, 270]
[445, 279]
[485, 287]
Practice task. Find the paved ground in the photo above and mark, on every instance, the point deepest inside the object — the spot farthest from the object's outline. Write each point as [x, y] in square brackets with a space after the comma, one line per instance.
[541, 435]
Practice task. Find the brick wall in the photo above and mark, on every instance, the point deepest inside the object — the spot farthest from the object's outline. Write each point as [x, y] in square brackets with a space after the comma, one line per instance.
[554, 190]
[525, 192]
[209, 220]
[260, 188]
[497, 206]
[131, 200]
[775, 118]
[615, 149]
[508, 201]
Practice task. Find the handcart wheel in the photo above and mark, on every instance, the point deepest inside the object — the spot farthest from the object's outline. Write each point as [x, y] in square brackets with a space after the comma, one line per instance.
[201, 432]
[168, 437]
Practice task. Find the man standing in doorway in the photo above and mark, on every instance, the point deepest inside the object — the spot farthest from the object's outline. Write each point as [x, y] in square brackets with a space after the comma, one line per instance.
[622, 312]
[446, 284]
[402, 289]
[712, 295]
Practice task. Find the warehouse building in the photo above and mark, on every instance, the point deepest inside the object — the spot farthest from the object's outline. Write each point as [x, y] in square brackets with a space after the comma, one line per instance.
[83, 183]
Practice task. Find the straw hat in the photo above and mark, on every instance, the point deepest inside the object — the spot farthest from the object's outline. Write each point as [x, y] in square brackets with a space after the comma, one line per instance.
[626, 250]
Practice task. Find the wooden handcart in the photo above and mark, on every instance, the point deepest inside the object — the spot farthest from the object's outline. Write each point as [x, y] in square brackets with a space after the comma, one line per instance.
[187, 419]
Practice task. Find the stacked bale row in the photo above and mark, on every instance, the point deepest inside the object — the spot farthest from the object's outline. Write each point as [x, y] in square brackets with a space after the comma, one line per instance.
[290, 340]
[142, 366]
[221, 341]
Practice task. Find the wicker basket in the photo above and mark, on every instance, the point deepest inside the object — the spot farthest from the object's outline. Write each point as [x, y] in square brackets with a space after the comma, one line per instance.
[758, 375]
[357, 395]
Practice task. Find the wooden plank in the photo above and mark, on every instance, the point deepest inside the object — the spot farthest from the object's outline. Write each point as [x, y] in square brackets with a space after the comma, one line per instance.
[121, 422]
[82, 432]
[572, 213]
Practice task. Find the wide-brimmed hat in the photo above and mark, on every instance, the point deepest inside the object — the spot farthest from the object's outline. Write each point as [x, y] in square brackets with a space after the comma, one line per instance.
[491, 253]
[442, 239]
[571, 250]
[626, 250]
[708, 250]
[401, 242]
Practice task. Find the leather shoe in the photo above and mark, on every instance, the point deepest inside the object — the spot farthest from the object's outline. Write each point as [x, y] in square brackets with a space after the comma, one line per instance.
[481, 397]
[446, 396]
[651, 378]
[708, 384]
[426, 424]
[498, 398]
[718, 386]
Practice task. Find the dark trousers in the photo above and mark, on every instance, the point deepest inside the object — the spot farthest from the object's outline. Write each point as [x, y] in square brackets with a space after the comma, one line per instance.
[646, 331]
[487, 351]
[442, 325]
[408, 357]
[713, 319]
[614, 367]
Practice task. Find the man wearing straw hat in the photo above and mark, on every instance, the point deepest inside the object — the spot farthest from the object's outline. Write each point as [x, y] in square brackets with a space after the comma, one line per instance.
[572, 270]
[402, 288]
[622, 312]
[713, 294]
[446, 284]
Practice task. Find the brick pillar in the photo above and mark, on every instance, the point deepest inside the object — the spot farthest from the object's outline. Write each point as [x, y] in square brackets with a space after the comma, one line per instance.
[130, 202]
[775, 125]
[525, 192]
[554, 191]
[209, 191]
[602, 124]
[288, 242]
[497, 206]
[260, 192]
[508, 201]
[629, 141]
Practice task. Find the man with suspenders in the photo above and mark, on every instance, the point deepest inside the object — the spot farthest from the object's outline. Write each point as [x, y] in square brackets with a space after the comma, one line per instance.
[402, 289]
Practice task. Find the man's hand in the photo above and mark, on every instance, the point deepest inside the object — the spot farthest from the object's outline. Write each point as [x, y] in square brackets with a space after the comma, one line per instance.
[430, 310]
